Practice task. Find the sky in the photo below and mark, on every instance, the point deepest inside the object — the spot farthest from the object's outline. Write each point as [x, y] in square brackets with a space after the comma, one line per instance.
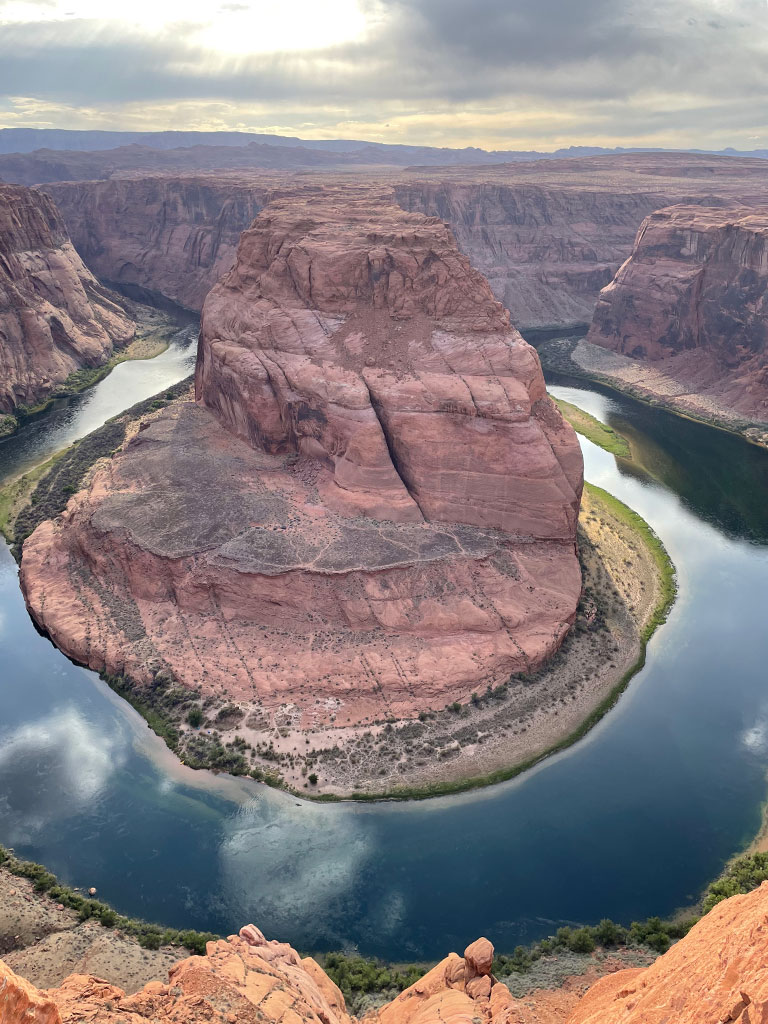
[501, 74]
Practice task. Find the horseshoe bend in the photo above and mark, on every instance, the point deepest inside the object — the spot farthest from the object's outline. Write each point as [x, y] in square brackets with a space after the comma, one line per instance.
[369, 509]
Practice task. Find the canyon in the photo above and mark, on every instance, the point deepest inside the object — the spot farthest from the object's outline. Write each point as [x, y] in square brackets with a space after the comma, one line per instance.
[548, 235]
[55, 317]
[370, 510]
[715, 973]
[687, 314]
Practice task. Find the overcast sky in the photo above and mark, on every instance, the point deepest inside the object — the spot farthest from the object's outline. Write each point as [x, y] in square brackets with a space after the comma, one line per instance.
[502, 74]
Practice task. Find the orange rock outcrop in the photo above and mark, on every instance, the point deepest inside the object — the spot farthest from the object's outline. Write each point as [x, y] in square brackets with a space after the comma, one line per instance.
[715, 975]
[370, 510]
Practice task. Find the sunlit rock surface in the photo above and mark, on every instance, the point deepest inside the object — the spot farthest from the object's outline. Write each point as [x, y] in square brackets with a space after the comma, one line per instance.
[370, 510]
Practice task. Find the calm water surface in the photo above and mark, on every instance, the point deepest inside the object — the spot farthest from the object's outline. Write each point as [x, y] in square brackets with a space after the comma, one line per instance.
[632, 821]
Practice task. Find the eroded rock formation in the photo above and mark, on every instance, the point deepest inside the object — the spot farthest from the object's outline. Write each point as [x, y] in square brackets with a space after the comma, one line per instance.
[692, 301]
[548, 235]
[370, 510]
[54, 316]
[170, 237]
[715, 975]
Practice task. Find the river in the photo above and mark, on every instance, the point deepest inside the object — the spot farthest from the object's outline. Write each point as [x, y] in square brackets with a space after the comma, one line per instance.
[631, 821]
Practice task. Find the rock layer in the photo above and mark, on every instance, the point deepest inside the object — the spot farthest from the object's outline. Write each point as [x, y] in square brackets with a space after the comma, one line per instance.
[692, 301]
[548, 235]
[55, 317]
[370, 511]
[169, 237]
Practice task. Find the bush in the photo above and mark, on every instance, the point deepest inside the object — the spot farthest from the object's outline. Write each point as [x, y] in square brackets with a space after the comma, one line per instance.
[582, 941]
[195, 718]
[313, 778]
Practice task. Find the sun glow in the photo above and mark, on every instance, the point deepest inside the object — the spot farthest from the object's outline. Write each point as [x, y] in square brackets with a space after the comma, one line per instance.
[238, 27]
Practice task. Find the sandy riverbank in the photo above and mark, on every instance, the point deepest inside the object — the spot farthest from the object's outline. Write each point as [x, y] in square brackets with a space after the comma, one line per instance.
[577, 357]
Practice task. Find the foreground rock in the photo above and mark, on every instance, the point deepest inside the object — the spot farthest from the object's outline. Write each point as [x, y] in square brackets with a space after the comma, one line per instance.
[716, 974]
[690, 310]
[55, 317]
[370, 511]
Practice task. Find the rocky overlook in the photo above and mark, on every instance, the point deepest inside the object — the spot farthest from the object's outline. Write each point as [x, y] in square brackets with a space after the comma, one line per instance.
[691, 306]
[369, 511]
[716, 973]
[55, 317]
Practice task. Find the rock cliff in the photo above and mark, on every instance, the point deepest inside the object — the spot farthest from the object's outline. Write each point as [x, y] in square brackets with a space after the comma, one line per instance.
[716, 974]
[55, 317]
[548, 235]
[371, 509]
[692, 300]
[169, 237]
[545, 251]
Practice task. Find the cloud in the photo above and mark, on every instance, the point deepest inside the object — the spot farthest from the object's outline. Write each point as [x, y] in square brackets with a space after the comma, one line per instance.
[502, 73]
[64, 747]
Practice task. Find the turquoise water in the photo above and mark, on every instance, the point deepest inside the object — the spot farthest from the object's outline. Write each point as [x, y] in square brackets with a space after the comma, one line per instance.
[629, 822]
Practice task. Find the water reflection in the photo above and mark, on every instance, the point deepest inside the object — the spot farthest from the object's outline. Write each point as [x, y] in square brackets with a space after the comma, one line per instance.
[72, 418]
[630, 822]
[718, 476]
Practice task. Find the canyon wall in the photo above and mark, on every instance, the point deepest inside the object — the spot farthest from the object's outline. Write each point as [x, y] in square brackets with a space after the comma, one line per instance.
[546, 251]
[548, 235]
[692, 301]
[55, 317]
[715, 975]
[173, 237]
[370, 510]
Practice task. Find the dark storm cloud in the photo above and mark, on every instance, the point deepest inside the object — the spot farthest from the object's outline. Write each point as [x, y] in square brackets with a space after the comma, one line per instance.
[694, 57]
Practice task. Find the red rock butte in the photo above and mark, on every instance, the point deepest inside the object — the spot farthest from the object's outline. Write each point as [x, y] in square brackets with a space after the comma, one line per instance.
[370, 509]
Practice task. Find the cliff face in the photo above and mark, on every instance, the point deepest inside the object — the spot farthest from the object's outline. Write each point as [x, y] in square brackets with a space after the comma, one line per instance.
[246, 979]
[54, 316]
[370, 510]
[546, 251]
[716, 974]
[692, 299]
[173, 237]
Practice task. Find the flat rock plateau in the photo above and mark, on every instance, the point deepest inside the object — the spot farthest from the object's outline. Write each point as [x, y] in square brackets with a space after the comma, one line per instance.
[55, 317]
[369, 512]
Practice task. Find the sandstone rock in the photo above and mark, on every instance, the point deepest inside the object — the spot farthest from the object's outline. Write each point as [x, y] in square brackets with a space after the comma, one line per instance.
[371, 509]
[714, 975]
[692, 301]
[704, 978]
[21, 1003]
[479, 956]
[548, 235]
[55, 317]
[165, 237]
